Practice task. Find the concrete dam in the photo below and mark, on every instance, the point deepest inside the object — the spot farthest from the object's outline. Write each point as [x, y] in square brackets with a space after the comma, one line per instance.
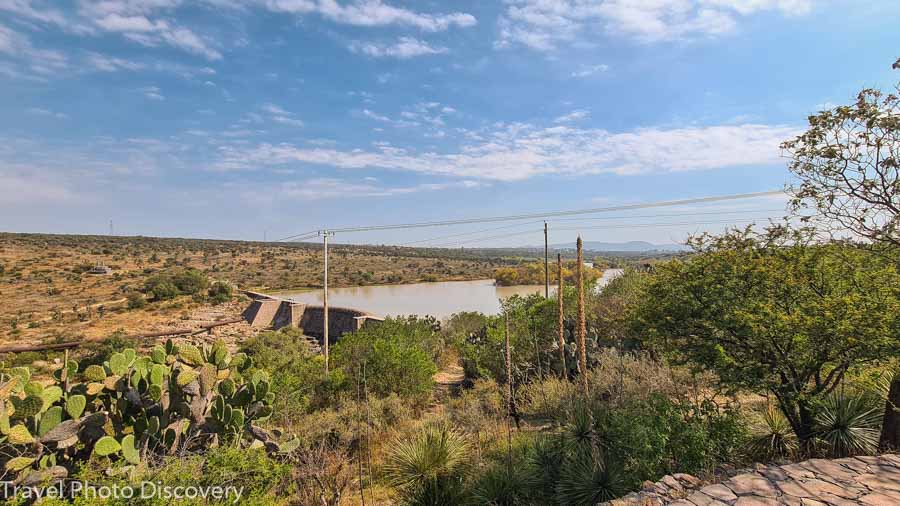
[266, 311]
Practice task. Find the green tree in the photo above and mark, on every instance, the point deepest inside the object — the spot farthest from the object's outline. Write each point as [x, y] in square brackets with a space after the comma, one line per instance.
[775, 312]
[219, 292]
[848, 166]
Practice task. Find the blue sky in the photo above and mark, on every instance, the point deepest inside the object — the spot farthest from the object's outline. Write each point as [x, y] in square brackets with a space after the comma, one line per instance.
[235, 118]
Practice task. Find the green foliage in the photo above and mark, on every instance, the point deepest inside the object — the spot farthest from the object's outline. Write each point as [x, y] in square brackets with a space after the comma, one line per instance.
[775, 312]
[395, 354]
[657, 436]
[136, 300]
[219, 292]
[429, 469]
[774, 439]
[848, 425]
[295, 370]
[172, 284]
[532, 273]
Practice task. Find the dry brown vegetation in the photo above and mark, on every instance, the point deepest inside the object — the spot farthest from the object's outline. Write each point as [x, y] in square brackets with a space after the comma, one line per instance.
[49, 293]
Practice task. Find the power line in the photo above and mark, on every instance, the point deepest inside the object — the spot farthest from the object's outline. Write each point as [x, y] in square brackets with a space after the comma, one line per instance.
[604, 227]
[472, 232]
[668, 215]
[519, 217]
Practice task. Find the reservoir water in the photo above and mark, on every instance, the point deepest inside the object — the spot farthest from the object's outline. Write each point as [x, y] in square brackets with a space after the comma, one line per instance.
[440, 299]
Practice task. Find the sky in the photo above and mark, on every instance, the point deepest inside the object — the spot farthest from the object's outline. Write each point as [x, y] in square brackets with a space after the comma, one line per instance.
[253, 119]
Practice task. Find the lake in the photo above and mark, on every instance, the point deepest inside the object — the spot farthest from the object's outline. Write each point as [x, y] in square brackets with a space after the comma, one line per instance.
[440, 299]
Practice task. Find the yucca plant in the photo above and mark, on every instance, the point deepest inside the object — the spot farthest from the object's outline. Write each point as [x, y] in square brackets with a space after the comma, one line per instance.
[848, 425]
[585, 479]
[429, 468]
[502, 485]
[775, 439]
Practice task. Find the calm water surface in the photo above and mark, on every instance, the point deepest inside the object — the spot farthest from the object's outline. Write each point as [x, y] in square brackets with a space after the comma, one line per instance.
[440, 299]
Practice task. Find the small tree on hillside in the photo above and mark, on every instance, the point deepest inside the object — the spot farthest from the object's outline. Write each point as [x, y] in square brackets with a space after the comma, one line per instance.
[775, 313]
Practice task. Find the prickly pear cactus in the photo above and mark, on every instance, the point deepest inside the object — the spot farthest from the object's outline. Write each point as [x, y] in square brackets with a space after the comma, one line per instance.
[177, 396]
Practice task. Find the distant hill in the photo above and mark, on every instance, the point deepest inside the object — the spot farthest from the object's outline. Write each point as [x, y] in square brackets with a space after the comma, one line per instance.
[630, 246]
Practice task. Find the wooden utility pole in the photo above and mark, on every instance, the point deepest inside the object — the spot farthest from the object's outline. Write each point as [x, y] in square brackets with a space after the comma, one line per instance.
[582, 330]
[561, 315]
[546, 265]
[511, 401]
[325, 301]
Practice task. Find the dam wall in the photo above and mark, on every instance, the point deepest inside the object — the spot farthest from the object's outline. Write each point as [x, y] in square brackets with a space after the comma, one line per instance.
[275, 313]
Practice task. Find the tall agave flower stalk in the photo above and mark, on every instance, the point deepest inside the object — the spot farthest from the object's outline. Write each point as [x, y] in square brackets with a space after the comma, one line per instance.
[582, 330]
[561, 315]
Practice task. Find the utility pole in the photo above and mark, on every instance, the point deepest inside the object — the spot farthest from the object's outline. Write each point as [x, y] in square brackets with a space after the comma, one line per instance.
[546, 265]
[325, 235]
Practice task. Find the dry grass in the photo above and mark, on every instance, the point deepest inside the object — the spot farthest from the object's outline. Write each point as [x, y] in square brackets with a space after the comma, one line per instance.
[48, 295]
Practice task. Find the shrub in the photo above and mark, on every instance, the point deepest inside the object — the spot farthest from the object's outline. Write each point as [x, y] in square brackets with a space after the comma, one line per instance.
[136, 300]
[429, 469]
[395, 355]
[657, 436]
[219, 292]
[296, 371]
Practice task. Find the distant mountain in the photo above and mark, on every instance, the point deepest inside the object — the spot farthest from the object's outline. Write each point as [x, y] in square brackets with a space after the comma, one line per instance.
[631, 246]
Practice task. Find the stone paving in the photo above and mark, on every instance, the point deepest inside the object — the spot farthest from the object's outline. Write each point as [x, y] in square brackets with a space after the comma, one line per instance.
[869, 481]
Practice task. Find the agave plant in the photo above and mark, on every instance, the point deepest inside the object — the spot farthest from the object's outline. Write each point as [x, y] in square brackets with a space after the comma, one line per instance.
[429, 468]
[775, 439]
[585, 479]
[848, 425]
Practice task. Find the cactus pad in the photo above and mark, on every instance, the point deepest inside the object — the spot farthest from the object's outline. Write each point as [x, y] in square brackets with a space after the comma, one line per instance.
[19, 435]
[129, 451]
[65, 430]
[186, 376]
[95, 373]
[158, 355]
[27, 407]
[19, 463]
[118, 364]
[190, 354]
[75, 405]
[106, 445]
[50, 419]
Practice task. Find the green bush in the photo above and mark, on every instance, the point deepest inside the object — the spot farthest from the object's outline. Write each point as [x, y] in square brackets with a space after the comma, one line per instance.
[657, 436]
[395, 354]
[136, 300]
[172, 284]
[296, 372]
[219, 292]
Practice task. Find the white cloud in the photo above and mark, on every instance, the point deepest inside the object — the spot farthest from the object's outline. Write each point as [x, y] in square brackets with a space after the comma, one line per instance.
[372, 13]
[276, 114]
[133, 20]
[105, 63]
[31, 62]
[38, 111]
[576, 115]
[25, 9]
[152, 92]
[326, 188]
[545, 25]
[519, 151]
[404, 48]
[589, 70]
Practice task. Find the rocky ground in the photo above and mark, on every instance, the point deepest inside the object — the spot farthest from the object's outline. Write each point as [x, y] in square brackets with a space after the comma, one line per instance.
[870, 481]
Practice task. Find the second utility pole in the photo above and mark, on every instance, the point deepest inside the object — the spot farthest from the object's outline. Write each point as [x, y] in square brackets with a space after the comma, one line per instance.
[546, 266]
[325, 301]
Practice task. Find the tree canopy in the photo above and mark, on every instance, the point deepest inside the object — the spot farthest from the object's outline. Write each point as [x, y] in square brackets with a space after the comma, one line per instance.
[775, 312]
